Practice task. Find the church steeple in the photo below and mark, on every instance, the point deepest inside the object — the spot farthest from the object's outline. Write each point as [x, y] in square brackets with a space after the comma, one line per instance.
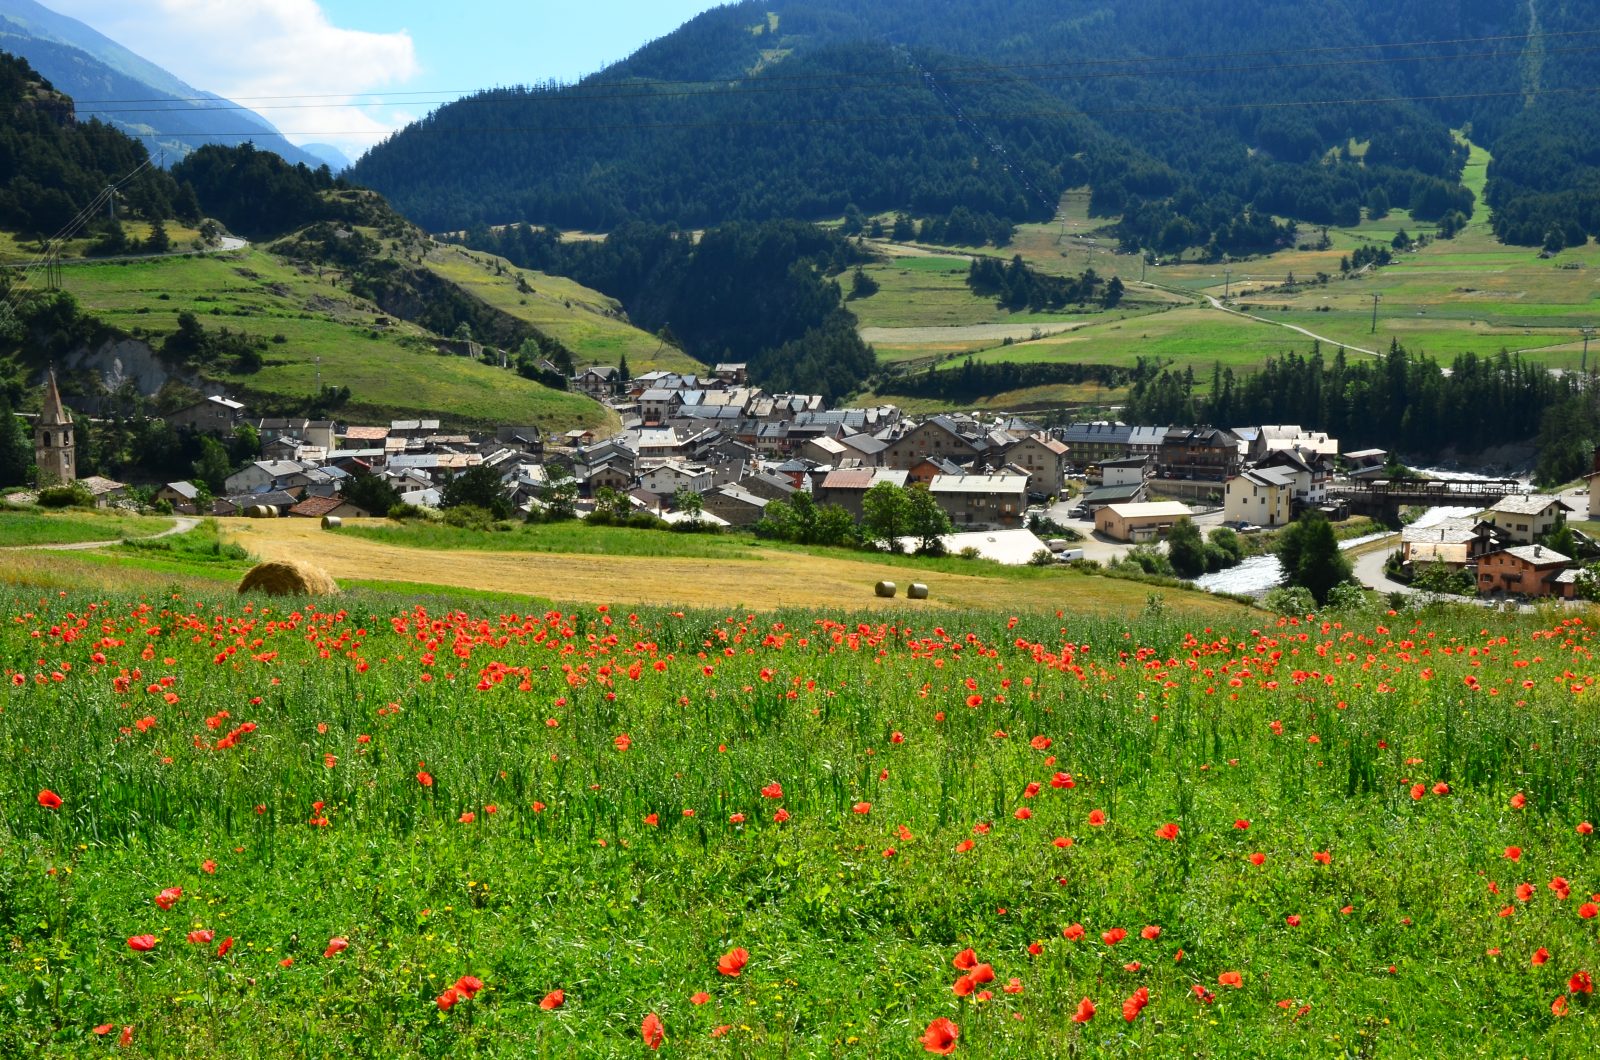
[53, 446]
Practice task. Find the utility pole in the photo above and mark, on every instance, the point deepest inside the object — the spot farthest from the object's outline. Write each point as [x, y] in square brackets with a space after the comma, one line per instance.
[111, 200]
[1227, 283]
[319, 376]
[1375, 299]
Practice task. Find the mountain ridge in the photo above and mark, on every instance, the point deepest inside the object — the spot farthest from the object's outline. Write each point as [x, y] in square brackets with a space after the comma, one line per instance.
[173, 117]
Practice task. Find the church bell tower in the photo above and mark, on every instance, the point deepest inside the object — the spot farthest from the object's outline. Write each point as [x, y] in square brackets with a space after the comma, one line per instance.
[53, 446]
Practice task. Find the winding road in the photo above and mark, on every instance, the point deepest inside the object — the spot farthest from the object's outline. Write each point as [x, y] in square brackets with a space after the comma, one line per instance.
[180, 524]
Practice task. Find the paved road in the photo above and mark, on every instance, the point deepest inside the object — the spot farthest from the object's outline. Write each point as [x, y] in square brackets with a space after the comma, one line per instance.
[180, 524]
[1369, 569]
[1102, 549]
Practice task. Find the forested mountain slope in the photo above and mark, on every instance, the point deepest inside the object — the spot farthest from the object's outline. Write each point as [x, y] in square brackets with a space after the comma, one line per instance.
[1188, 117]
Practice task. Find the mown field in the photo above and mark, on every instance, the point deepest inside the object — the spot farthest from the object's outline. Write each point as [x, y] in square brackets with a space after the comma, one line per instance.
[20, 527]
[391, 370]
[385, 825]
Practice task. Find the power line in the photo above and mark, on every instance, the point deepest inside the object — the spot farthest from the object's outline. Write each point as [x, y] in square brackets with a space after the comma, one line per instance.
[930, 116]
[834, 78]
[725, 90]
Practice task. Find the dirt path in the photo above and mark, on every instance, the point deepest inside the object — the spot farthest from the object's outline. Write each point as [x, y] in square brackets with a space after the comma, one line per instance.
[967, 333]
[764, 582]
[180, 524]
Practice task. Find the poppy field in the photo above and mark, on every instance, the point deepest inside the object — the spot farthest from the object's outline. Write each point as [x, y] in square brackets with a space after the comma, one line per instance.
[377, 827]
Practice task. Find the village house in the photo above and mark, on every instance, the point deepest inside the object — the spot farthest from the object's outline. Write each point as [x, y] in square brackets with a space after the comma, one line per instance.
[769, 485]
[261, 475]
[1139, 522]
[731, 374]
[1045, 461]
[1263, 496]
[183, 496]
[1524, 570]
[1092, 443]
[1128, 471]
[982, 500]
[1311, 472]
[1126, 493]
[272, 428]
[847, 486]
[354, 437]
[823, 451]
[1207, 453]
[1366, 463]
[214, 415]
[735, 505]
[1527, 517]
[1452, 542]
[598, 380]
[322, 507]
[666, 478]
[1146, 441]
[937, 437]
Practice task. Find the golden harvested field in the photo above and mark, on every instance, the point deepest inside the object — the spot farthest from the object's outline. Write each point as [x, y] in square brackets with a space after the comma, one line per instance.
[767, 581]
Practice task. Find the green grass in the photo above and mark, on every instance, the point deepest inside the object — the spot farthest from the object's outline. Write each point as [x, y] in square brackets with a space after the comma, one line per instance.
[38, 527]
[391, 371]
[549, 853]
[574, 538]
[592, 326]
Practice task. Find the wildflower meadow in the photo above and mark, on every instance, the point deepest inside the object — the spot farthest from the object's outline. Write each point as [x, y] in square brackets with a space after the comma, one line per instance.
[378, 827]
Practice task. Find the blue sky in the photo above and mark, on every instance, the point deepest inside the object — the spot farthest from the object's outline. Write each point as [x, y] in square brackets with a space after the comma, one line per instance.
[346, 72]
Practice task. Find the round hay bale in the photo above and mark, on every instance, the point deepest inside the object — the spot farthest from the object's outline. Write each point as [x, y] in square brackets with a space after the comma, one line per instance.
[917, 591]
[263, 511]
[885, 589]
[331, 522]
[283, 578]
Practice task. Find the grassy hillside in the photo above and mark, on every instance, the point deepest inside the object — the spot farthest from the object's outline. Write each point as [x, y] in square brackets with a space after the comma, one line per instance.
[392, 370]
[592, 326]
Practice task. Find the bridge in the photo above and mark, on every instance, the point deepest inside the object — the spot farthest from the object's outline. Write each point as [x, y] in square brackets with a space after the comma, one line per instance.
[1385, 497]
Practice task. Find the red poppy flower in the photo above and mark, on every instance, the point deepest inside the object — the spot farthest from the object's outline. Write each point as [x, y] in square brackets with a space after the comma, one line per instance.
[652, 1031]
[1063, 780]
[447, 1000]
[964, 985]
[142, 943]
[1441, 788]
[469, 985]
[1023, 813]
[1323, 857]
[336, 945]
[1525, 892]
[1072, 932]
[1258, 859]
[1513, 853]
[966, 960]
[202, 937]
[700, 999]
[1580, 983]
[1558, 1007]
[1014, 986]
[781, 816]
[169, 897]
[286, 962]
[1114, 936]
[1040, 743]
[983, 973]
[49, 799]
[623, 742]
[862, 807]
[1062, 841]
[553, 1000]
[1097, 817]
[103, 1029]
[1168, 831]
[208, 867]
[1135, 1004]
[1540, 956]
[227, 944]
[1292, 920]
[964, 846]
[1204, 996]
[773, 790]
[1241, 824]
[125, 1039]
[1585, 828]
[425, 779]
[1085, 1011]
[975, 700]
[1233, 979]
[940, 1037]
[733, 962]
[1151, 932]
[1418, 791]
[1518, 801]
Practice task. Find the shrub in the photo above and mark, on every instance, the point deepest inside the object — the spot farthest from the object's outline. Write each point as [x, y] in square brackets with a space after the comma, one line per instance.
[66, 495]
[401, 512]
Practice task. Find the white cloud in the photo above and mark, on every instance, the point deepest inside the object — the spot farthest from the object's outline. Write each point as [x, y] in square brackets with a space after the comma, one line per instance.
[250, 49]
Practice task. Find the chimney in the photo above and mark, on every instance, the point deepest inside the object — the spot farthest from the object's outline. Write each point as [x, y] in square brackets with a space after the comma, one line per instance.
[1538, 550]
